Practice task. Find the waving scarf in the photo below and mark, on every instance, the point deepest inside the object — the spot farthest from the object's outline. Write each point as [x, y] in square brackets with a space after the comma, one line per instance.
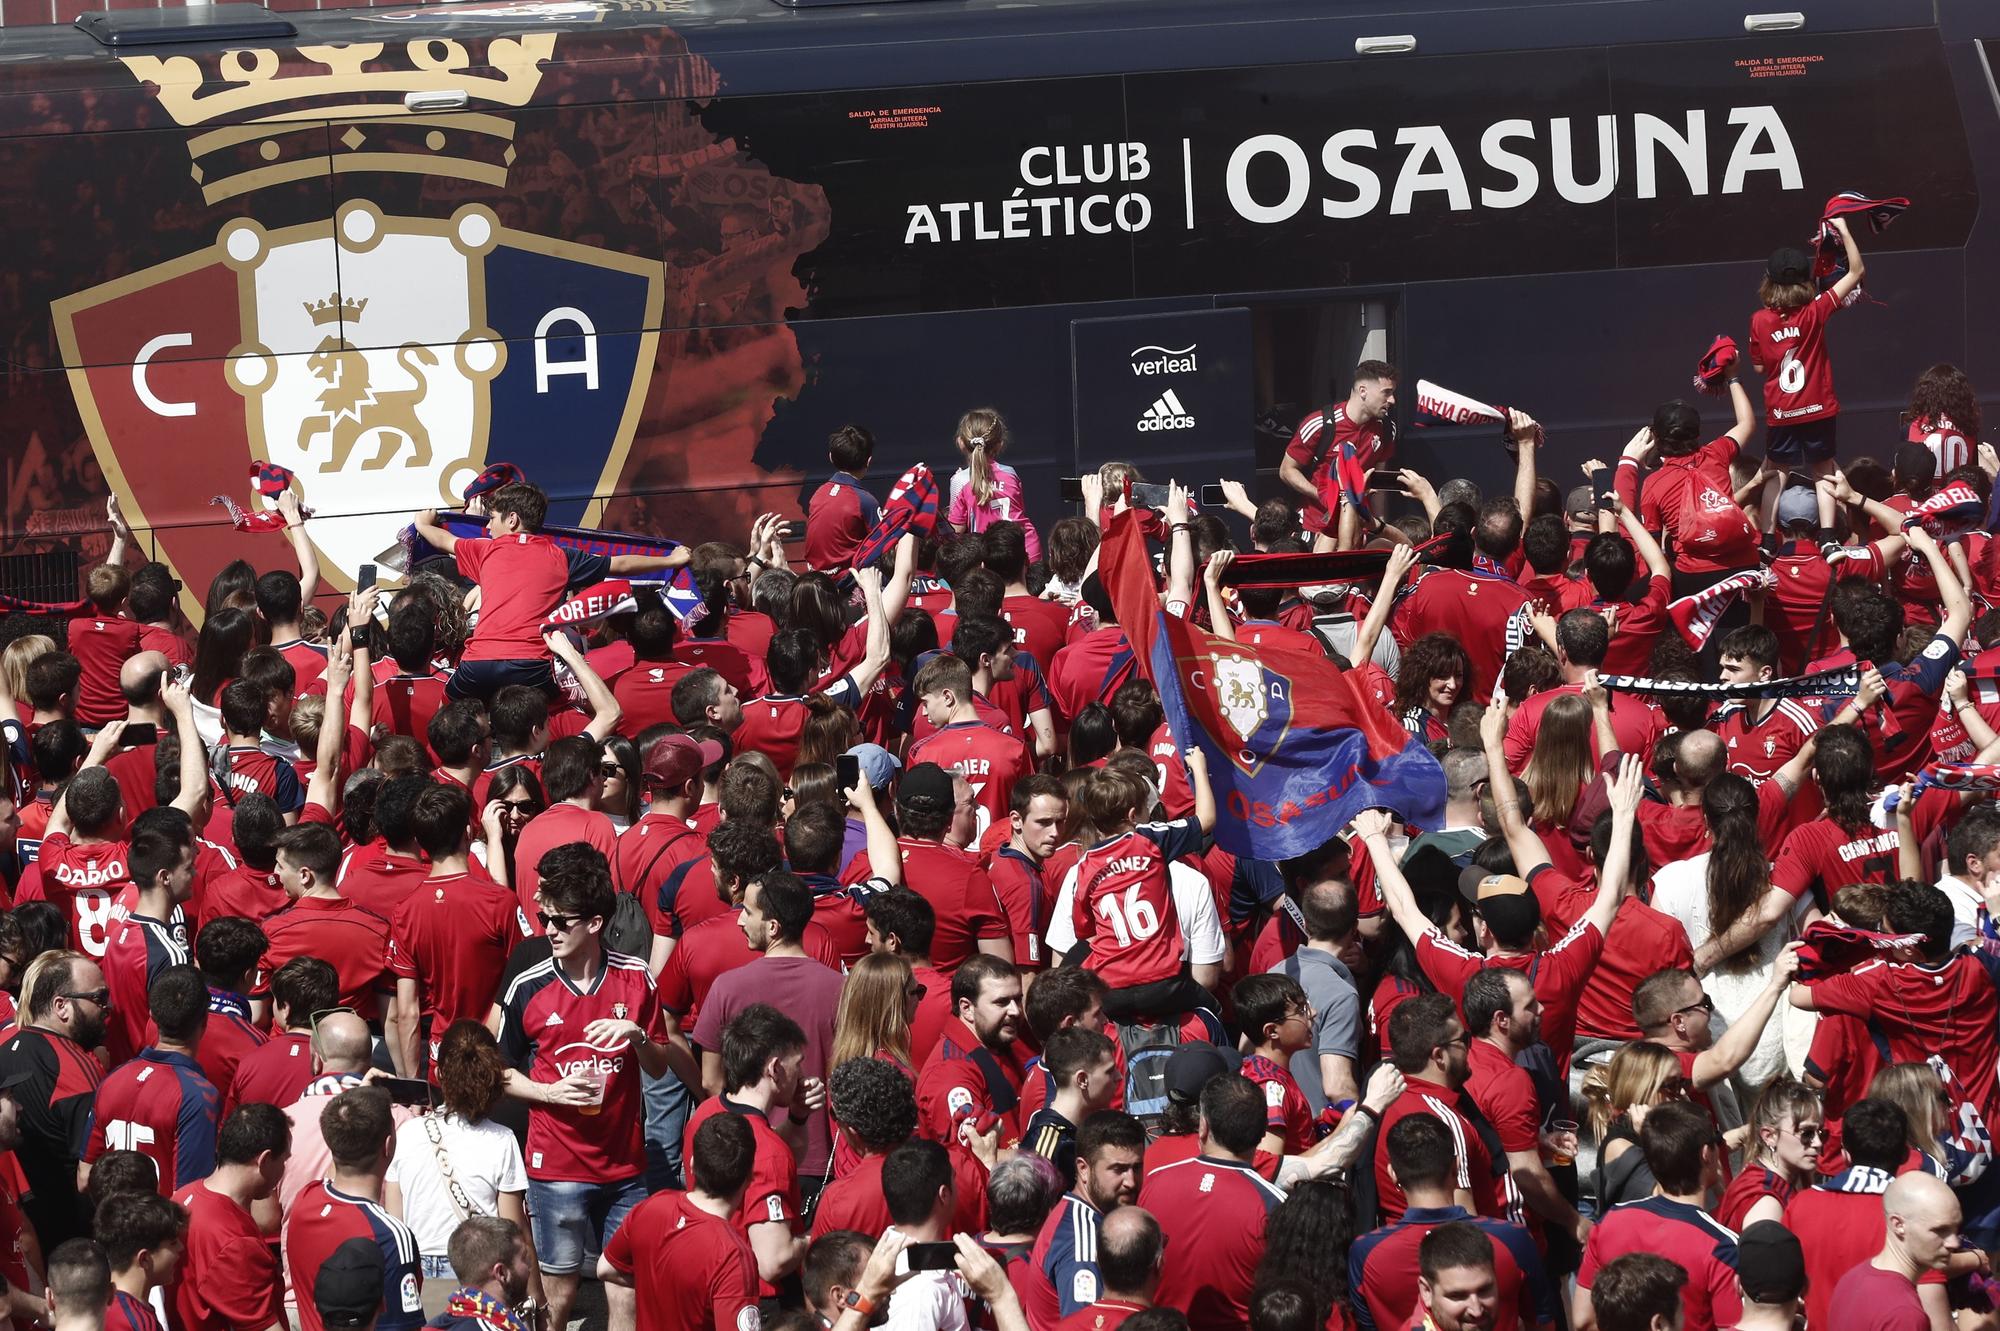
[1834, 682]
[271, 480]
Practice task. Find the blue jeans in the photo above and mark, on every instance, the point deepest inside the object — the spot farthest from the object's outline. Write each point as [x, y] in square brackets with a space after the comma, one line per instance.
[573, 1221]
[667, 1105]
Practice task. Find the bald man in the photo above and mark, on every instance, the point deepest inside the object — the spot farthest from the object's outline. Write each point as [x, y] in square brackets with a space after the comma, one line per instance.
[1129, 1249]
[1921, 1217]
[343, 1051]
[139, 680]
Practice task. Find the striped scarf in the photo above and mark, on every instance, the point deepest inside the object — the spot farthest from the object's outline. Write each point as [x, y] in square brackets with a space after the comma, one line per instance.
[1822, 683]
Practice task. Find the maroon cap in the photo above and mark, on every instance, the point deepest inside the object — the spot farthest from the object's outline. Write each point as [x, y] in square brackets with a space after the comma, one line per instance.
[675, 759]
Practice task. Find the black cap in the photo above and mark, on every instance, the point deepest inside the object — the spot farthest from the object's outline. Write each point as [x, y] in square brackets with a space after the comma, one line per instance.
[348, 1289]
[926, 782]
[1194, 1065]
[1770, 1263]
[1789, 265]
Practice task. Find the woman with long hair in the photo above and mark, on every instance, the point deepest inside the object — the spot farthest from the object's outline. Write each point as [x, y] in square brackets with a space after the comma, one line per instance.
[1915, 1089]
[986, 490]
[1640, 1076]
[454, 1162]
[829, 731]
[233, 587]
[1093, 735]
[1787, 1129]
[1710, 892]
[1559, 767]
[1306, 1240]
[877, 1005]
[1944, 416]
[218, 651]
[1429, 684]
[620, 767]
[519, 791]
[14, 661]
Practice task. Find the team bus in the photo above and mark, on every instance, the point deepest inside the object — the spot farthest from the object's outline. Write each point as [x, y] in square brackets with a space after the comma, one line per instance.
[654, 251]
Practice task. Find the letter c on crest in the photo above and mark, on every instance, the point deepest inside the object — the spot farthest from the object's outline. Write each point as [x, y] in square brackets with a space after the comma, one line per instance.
[152, 401]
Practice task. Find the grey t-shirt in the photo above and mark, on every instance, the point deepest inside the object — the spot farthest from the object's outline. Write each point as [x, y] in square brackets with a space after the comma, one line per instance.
[1329, 985]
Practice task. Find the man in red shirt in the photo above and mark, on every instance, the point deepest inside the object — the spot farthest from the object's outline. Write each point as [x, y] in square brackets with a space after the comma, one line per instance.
[1429, 1045]
[1663, 497]
[452, 935]
[645, 692]
[1482, 608]
[1038, 813]
[1839, 1220]
[1582, 639]
[1361, 423]
[79, 874]
[406, 701]
[231, 1281]
[1213, 1208]
[151, 937]
[937, 814]
[797, 658]
[276, 1072]
[346, 1205]
[1923, 1240]
[572, 780]
[158, 1102]
[579, 1028]
[1760, 734]
[1683, 1150]
[1040, 626]
[1672, 1009]
[322, 923]
[681, 1253]
[974, 1074]
[842, 512]
[989, 760]
[101, 643]
[227, 951]
[763, 1054]
[1131, 1253]
[522, 578]
[664, 837]
[381, 875]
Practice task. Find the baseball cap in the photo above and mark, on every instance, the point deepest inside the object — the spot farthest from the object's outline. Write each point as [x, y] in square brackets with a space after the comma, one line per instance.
[1770, 1263]
[928, 783]
[1789, 264]
[348, 1289]
[675, 759]
[1582, 502]
[1430, 871]
[1506, 902]
[878, 765]
[1798, 506]
[1194, 1065]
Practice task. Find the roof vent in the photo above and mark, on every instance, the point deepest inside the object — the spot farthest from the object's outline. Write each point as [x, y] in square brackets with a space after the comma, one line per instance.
[196, 23]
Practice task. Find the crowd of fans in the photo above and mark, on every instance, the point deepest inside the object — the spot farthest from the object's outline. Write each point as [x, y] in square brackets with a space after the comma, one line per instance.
[855, 950]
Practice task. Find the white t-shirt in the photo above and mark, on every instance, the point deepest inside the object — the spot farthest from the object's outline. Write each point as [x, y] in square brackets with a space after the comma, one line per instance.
[1194, 902]
[485, 1159]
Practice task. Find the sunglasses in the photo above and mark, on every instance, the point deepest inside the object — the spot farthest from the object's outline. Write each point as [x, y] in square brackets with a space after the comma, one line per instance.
[316, 1018]
[1705, 1003]
[522, 806]
[101, 997]
[1676, 1086]
[1809, 1134]
[562, 922]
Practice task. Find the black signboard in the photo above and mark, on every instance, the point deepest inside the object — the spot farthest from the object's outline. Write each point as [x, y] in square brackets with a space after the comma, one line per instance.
[1162, 387]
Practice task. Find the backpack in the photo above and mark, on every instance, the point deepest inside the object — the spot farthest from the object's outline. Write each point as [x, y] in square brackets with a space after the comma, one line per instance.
[629, 931]
[1147, 1049]
[1711, 523]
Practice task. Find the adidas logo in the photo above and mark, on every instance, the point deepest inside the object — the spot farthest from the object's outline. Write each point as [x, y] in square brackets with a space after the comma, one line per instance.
[555, 1019]
[1166, 413]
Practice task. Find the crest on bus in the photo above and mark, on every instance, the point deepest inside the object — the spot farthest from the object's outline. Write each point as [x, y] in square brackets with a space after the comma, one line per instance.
[384, 359]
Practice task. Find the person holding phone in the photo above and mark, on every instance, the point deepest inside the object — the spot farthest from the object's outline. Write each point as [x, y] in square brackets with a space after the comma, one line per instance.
[921, 1190]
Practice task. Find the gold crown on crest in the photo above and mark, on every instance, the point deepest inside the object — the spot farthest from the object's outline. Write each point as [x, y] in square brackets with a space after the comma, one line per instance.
[265, 121]
[334, 310]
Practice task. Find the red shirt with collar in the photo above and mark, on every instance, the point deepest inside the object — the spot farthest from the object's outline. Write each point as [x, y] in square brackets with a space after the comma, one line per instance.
[561, 824]
[1039, 626]
[1472, 607]
[379, 879]
[649, 850]
[1090, 669]
[405, 703]
[349, 937]
[275, 1073]
[772, 1194]
[1475, 1166]
[991, 761]
[750, 630]
[959, 890]
[453, 934]
[253, 894]
[952, 1085]
[728, 660]
[645, 694]
[102, 644]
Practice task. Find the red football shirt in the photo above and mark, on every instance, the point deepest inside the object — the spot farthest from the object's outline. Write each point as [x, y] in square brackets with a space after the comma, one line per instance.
[1213, 1214]
[561, 824]
[1944, 1010]
[160, 1105]
[1840, 1225]
[1794, 608]
[101, 646]
[275, 1073]
[1287, 1112]
[376, 879]
[1023, 894]
[406, 704]
[231, 1280]
[354, 941]
[772, 1195]
[1641, 940]
[957, 1081]
[648, 851]
[253, 894]
[453, 935]
[1788, 347]
[746, 672]
[1090, 669]
[959, 891]
[772, 725]
[645, 694]
[80, 881]
[1474, 608]
[838, 520]
[322, 1218]
[228, 1039]
[521, 580]
[1822, 857]
[1636, 726]
[543, 1018]
[1315, 451]
[989, 760]
[1559, 973]
[693, 1271]
[1475, 1166]
[158, 638]
[1685, 1235]
[1123, 905]
[1040, 627]
[1505, 1094]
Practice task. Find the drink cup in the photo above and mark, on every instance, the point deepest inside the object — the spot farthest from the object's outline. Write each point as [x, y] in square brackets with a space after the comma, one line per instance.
[596, 1076]
[1563, 1131]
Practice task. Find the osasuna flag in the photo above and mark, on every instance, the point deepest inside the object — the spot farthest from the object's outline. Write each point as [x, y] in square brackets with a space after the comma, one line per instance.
[1295, 748]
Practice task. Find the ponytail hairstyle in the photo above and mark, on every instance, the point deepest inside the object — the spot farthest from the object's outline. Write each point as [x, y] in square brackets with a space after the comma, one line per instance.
[982, 437]
[1739, 871]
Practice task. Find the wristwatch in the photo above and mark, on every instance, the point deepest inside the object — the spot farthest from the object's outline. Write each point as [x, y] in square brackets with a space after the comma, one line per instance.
[855, 1300]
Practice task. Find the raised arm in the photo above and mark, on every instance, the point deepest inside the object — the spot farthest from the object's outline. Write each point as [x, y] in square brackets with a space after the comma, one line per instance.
[302, 546]
[194, 758]
[438, 537]
[875, 656]
[323, 786]
[1401, 560]
[896, 591]
[1650, 554]
[1959, 693]
[1238, 499]
[1180, 548]
[885, 857]
[1204, 793]
[1372, 827]
[1522, 427]
[1856, 269]
[624, 565]
[1951, 592]
[1211, 581]
[121, 533]
[1745, 425]
[1599, 698]
[1522, 841]
[1616, 871]
[361, 707]
[605, 713]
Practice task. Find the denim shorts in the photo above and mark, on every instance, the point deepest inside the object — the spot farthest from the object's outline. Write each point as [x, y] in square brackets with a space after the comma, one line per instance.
[573, 1221]
[483, 679]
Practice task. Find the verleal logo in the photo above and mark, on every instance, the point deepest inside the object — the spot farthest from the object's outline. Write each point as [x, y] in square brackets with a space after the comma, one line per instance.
[1166, 413]
[1163, 360]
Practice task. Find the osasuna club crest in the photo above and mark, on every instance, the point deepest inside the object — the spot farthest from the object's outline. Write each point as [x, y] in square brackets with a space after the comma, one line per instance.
[384, 359]
[1253, 702]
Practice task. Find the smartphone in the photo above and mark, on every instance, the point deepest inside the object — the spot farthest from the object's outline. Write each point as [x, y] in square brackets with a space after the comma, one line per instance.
[365, 578]
[1386, 478]
[932, 1256]
[1072, 489]
[141, 732]
[1212, 497]
[1145, 494]
[182, 674]
[847, 771]
[406, 1090]
[794, 532]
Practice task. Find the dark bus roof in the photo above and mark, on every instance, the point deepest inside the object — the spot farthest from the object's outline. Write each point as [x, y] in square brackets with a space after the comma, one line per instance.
[759, 46]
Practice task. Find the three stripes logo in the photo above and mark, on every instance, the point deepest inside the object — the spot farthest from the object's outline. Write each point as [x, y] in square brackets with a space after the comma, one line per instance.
[1166, 413]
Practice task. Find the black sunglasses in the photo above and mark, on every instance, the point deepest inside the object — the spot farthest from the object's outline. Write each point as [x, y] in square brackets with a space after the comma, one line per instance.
[101, 997]
[562, 922]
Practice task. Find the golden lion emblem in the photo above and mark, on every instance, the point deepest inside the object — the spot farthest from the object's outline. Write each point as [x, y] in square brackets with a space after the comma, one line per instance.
[352, 407]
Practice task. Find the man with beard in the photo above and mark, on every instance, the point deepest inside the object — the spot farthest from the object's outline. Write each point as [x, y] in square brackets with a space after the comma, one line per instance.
[1456, 1286]
[1505, 1019]
[975, 1072]
[491, 1259]
[65, 1017]
[1429, 1046]
[1061, 1274]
